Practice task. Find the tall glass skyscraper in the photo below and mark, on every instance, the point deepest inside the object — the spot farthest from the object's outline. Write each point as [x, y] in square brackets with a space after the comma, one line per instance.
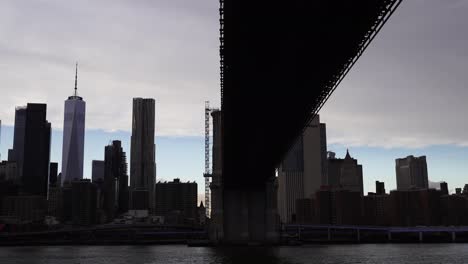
[142, 158]
[73, 136]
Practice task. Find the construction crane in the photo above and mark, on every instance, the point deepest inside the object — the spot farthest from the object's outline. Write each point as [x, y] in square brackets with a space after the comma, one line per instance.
[207, 173]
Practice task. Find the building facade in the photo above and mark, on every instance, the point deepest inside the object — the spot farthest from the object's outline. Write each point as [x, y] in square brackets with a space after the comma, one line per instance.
[84, 202]
[143, 153]
[115, 180]
[73, 137]
[17, 153]
[303, 170]
[97, 172]
[8, 171]
[345, 174]
[411, 173]
[36, 151]
[177, 196]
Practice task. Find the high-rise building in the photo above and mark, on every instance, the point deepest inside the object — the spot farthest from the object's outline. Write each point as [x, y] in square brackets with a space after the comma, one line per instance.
[54, 201]
[291, 182]
[315, 157]
[97, 172]
[8, 171]
[53, 173]
[444, 188]
[411, 173]
[345, 174]
[303, 170]
[177, 196]
[115, 180]
[83, 202]
[36, 151]
[142, 164]
[16, 154]
[379, 188]
[73, 136]
[26, 208]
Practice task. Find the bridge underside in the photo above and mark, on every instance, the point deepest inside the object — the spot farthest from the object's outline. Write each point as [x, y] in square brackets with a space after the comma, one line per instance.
[280, 60]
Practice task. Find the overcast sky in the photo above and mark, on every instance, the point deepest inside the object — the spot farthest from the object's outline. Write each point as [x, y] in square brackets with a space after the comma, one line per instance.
[408, 90]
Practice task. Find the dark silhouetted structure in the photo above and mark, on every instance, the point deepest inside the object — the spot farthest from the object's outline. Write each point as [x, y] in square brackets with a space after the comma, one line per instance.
[177, 196]
[379, 188]
[32, 149]
[411, 173]
[83, 202]
[345, 174]
[303, 170]
[444, 188]
[17, 153]
[97, 172]
[53, 173]
[143, 151]
[115, 180]
[283, 60]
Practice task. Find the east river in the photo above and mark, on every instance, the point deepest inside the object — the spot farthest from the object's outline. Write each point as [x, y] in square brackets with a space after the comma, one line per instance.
[320, 254]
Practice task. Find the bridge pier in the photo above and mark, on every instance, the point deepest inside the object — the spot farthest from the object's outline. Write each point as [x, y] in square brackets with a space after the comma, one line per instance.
[421, 237]
[250, 216]
[454, 237]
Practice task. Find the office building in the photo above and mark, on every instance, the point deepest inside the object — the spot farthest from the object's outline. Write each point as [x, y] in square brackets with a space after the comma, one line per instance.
[411, 173]
[17, 153]
[444, 188]
[53, 173]
[345, 174]
[73, 136]
[54, 201]
[115, 180]
[291, 182]
[32, 152]
[8, 171]
[97, 172]
[201, 214]
[26, 208]
[415, 207]
[177, 196]
[83, 202]
[303, 170]
[142, 163]
[379, 188]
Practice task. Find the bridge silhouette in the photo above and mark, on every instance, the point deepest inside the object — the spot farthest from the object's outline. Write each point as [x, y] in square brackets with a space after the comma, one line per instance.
[280, 62]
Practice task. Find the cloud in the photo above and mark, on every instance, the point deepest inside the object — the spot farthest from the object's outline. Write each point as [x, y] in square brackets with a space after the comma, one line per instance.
[409, 89]
[167, 50]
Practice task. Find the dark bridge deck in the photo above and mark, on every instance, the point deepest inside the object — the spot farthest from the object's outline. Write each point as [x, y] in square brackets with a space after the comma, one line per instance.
[280, 60]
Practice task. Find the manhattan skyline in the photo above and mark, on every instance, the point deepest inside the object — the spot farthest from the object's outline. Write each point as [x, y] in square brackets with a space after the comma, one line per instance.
[385, 124]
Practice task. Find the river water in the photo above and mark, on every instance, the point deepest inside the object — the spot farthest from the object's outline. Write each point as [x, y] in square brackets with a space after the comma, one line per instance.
[320, 254]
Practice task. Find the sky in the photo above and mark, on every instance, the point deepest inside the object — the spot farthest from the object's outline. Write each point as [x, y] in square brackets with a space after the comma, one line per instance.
[405, 96]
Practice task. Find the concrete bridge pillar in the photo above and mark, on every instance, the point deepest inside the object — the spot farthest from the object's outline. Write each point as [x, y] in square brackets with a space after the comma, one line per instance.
[421, 237]
[454, 237]
[358, 235]
[250, 216]
[389, 236]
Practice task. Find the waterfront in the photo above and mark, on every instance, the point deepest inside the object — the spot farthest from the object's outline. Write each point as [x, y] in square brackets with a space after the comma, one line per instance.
[319, 254]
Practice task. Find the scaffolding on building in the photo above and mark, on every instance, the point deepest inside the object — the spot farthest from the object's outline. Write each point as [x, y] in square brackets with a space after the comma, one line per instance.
[207, 173]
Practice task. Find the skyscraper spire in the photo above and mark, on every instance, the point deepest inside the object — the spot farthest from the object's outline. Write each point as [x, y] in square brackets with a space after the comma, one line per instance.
[76, 77]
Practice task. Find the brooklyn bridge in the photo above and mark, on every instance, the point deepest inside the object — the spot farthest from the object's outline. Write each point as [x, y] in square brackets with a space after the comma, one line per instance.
[280, 62]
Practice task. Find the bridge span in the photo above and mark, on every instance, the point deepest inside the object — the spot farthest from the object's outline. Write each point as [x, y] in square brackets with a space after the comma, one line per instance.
[280, 62]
